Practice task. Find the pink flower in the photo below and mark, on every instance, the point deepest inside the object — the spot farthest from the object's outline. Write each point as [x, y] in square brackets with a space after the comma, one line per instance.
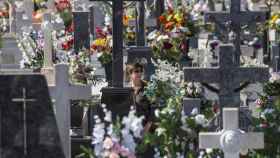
[108, 143]
[259, 103]
[114, 155]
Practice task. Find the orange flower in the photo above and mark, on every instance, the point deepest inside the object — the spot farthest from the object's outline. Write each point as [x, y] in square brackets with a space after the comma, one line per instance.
[169, 25]
[125, 20]
[162, 19]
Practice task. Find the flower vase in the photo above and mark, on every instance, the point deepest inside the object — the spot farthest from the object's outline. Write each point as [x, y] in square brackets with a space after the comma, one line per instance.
[108, 72]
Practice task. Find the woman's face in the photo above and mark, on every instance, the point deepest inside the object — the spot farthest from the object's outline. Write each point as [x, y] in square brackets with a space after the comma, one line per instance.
[136, 75]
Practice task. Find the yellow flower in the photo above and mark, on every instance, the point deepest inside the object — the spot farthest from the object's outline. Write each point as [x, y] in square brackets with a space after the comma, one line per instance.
[100, 42]
[274, 18]
[178, 17]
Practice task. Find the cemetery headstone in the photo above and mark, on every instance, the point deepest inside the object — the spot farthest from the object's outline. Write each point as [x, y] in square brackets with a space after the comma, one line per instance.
[191, 104]
[62, 92]
[28, 124]
[227, 75]
[81, 30]
[275, 54]
[234, 19]
[231, 139]
[10, 54]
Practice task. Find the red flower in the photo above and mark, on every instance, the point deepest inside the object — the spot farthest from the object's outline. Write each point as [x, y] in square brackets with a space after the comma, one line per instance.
[167, 45]
[65, 46]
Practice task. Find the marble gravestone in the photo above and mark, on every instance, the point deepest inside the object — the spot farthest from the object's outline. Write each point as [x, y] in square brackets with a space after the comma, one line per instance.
[231, 139]
[28, 123]
[10, 54]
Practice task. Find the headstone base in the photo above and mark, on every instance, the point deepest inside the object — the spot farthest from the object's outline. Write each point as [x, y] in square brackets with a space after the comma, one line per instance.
[118, 100]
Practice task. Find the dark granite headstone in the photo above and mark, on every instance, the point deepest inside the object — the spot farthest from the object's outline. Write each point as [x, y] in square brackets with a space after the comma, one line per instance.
[81, 30]
[190, 104]
[141, 55]
[28, 124]
[275, 54]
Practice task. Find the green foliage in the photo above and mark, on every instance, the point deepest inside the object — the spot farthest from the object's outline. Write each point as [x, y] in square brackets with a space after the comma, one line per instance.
[66, 15]
[86, 153]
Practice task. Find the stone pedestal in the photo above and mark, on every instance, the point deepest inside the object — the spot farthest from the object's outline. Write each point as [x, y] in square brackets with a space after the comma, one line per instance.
[118, 100]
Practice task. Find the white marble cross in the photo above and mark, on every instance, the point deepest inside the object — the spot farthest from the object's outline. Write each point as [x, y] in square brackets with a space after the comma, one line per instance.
[63, 92]
[24, 100]
[47, 29]
[231, 139]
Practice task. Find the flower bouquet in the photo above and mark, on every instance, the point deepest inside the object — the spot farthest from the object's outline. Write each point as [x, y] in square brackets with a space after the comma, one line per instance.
[116, 139]
[171, 41]
[64, 9]
[81, 69]
[268, 121]
[274, 26]
[102, 45]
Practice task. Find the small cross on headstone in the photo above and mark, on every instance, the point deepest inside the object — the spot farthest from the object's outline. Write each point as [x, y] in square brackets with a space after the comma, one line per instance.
[231, 139]
[24, 101]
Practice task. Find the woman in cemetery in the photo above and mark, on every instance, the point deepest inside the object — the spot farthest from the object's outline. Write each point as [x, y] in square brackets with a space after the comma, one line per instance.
[134, 72]
[142, 104]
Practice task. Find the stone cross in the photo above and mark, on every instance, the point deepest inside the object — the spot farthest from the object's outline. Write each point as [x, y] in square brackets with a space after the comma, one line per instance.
[231, 139]
[62, 91]
[235, 18]
[29, 8]
[47, 29]
[24, 101]
[227, 75]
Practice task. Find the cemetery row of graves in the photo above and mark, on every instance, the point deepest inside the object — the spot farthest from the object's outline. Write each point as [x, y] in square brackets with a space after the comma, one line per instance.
[210, 80]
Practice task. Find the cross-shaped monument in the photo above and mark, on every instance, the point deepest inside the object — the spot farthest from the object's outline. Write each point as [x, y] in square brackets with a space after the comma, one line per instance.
[228, 75]
[62, 91]
[231, 139]
[24, 101]
[235, 18]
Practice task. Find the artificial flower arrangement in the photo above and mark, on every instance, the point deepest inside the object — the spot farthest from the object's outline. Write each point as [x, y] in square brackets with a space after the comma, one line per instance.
[4, 12]
[102, 45]
[64, 9]
[170, 42]
[81, 68]
[39, 8]
[268, 121]
[116, 138]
